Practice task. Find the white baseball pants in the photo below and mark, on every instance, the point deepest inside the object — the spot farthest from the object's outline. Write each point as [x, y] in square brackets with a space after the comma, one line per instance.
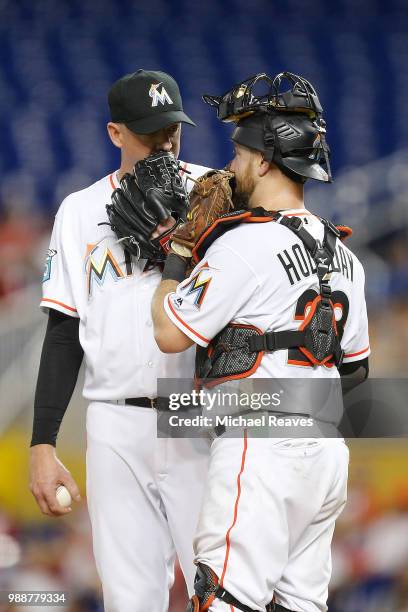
[268, 518]
[144, 496]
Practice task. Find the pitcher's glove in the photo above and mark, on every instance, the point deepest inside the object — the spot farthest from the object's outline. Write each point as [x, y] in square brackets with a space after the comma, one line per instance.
[158, 178]
[146, 199]
[210, 198]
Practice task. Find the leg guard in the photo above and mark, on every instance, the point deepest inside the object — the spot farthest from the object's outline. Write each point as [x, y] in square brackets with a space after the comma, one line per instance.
[193, 605]
[205, 586]
[207, 589]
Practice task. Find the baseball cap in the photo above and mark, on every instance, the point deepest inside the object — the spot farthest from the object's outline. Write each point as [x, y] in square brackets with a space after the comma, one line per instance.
[146, 101]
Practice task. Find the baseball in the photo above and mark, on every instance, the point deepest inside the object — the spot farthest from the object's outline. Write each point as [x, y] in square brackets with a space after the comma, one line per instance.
[63, 496]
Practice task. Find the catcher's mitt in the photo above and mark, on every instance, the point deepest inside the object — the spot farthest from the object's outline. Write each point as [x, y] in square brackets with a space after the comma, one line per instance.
[154, 193]
[210, 198]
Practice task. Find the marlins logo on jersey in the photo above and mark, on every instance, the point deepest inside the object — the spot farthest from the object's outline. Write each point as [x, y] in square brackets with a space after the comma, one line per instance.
[198, 286]
[97, 269]
[159, 96]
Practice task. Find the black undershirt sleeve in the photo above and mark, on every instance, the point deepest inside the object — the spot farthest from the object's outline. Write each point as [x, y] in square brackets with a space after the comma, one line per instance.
[353, 374]
[61, 359]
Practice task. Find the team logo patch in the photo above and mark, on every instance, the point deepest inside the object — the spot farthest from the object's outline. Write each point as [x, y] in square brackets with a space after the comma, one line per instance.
[159, 96]
[47, 266]
[97, 270]
[198, 287]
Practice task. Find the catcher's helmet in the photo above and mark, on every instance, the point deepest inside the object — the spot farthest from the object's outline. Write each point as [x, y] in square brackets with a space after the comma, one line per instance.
[286, 126]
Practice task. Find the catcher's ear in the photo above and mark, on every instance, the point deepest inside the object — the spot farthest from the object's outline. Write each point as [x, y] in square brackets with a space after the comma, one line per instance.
[263, 166]
[115, 134]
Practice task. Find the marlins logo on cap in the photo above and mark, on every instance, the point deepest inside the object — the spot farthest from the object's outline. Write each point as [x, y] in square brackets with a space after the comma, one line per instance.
[146, 101]
[159, 96]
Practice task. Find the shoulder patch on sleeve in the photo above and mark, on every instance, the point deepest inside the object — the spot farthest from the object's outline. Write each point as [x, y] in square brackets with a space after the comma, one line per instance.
[48, 264]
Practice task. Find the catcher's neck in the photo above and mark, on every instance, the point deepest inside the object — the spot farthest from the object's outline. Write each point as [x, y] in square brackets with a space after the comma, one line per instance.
[277, 192]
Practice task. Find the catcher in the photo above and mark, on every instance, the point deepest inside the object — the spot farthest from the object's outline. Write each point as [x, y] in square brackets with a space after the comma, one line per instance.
[274, 294]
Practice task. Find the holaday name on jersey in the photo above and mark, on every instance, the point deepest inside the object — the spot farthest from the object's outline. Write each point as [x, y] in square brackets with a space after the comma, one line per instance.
[298, 263]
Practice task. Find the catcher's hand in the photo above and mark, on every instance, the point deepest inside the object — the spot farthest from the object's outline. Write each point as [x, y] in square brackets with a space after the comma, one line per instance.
[210, 198]
[151, 197]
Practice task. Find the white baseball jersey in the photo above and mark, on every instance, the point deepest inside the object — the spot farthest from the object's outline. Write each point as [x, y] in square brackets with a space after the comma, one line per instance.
[90, 276]
[261, 274]
[270, 505]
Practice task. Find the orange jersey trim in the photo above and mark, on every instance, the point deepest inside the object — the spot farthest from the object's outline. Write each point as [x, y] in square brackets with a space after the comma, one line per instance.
[112, 181]
[59, 304]
[184, 323]
[358, 353]
[227, 536]
[304, 364]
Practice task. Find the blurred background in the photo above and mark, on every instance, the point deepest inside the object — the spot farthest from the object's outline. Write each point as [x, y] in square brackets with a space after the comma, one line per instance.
[57, 61]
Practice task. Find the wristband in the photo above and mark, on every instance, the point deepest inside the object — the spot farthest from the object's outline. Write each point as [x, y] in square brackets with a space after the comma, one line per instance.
[175, 268]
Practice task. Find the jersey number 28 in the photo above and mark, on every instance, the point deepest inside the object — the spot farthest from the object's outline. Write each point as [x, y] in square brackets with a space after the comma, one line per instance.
[341, 309]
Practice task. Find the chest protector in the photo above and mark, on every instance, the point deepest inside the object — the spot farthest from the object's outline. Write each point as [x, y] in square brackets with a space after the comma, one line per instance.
[237, 350]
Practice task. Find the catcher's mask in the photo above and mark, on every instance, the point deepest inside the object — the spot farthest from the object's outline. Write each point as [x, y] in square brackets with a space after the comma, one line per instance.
[286, 126]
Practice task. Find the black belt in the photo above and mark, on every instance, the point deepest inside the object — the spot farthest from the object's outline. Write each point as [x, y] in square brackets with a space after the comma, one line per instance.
[161, 403]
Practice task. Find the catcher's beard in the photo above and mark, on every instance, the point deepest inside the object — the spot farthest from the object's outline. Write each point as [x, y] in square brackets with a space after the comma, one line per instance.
[244, 188]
